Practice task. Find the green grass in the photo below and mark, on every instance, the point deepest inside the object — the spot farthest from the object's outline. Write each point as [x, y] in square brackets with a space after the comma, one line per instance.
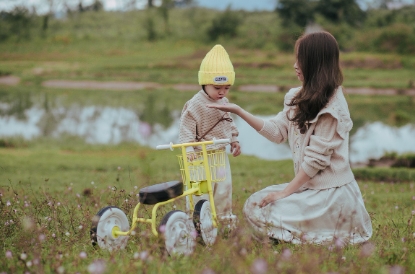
[386, 174]
[55, 187]
[391, 110]
[172, 62]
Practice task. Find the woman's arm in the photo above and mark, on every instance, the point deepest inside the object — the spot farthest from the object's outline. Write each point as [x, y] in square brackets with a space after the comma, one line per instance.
[299, 180]
[253, 121]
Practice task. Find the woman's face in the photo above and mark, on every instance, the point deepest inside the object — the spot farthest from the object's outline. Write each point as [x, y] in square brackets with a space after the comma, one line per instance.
[217, 92]
[298, 72]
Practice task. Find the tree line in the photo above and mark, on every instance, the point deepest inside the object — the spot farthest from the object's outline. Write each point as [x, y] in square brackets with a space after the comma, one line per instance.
[376, 29]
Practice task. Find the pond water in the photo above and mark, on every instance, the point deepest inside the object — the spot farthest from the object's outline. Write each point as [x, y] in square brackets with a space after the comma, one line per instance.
[110, 125]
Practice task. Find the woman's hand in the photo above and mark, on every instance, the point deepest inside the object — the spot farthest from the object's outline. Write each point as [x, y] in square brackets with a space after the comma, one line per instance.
[228, 107]
[272, 197]
[254, 122]
[299, 180]
[235, 148]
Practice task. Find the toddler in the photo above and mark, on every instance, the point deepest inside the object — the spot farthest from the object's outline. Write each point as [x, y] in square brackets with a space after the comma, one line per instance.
[201, 123]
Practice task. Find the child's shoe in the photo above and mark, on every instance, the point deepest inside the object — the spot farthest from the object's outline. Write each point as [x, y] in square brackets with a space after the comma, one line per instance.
[229, 221]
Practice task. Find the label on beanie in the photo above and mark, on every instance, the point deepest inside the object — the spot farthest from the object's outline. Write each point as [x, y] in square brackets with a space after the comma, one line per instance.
[220, 79]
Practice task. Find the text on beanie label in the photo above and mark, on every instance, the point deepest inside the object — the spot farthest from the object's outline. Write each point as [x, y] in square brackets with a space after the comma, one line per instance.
[220, 79]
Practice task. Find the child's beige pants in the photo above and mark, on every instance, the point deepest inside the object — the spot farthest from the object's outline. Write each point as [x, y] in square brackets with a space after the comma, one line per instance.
[222, 196]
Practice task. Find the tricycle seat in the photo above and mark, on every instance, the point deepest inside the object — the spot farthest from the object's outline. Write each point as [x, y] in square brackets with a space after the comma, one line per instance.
[160, 192]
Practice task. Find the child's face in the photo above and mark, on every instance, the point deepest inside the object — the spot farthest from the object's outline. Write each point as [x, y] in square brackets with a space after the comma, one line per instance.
[217, 92]
[298, 72]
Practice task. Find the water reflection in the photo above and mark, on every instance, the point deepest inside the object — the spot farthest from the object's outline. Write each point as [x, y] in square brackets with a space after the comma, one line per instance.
[109, 125]
[15, 104]
[96, 125]
[374, 140]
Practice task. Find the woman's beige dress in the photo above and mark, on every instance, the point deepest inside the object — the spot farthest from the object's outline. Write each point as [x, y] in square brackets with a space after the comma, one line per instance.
[317, 216]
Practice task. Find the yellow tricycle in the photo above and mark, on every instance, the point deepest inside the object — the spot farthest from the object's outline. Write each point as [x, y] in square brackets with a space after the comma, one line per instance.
[110, 227]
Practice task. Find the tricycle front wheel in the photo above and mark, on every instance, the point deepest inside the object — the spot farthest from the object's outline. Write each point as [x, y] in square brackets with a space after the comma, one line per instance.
[203, 220]
[103, 223]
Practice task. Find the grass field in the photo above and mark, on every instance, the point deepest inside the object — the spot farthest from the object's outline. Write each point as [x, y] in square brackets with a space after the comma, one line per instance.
[171, 62]
[51, 190]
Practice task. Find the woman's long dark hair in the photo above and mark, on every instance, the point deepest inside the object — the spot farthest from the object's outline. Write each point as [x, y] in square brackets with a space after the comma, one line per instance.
[318, 58]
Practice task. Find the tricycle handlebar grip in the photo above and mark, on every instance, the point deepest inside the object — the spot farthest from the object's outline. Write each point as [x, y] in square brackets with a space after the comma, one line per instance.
[221, 141]
[169, 146]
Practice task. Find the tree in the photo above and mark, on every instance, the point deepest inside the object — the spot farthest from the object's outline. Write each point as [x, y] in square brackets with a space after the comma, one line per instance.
[337, 11]
[15, 23]
[97, 5]
[298, 12]
[302, 12]
[164, 8]
[224, 24]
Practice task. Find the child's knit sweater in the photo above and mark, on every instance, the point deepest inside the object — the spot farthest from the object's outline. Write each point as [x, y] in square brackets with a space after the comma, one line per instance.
[196, 120]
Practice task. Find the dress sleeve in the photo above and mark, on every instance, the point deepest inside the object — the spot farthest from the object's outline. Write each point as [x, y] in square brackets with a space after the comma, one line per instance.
[187, 127]
[276, 129]
[323, 142]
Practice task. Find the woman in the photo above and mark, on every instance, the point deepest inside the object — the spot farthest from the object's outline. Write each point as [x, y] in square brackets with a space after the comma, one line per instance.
[322, 202]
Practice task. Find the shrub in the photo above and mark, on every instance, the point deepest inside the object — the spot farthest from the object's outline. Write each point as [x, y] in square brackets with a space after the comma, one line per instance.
[255, 32]
[225, 25]
[287, 37]
[381, 174]
[344, 32]
[406, 160]
[16, 23]
[399, 38]
[150, 28]
[400, 117]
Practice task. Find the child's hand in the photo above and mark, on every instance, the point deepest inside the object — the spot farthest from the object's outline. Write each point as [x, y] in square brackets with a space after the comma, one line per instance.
[235, 149]
[191, 156]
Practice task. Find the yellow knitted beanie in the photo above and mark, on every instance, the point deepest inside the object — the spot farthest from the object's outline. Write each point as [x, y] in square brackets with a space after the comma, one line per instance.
[216, 68]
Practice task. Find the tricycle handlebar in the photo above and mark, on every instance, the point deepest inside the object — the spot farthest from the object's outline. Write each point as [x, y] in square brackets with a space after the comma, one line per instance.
[171, 146]
[221, 141]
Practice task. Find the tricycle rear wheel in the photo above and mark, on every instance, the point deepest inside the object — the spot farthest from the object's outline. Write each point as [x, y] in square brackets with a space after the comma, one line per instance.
[179, 233]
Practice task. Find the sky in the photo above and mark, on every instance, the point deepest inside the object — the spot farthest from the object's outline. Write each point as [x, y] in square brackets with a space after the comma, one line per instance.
[42, 6]
[239, 4]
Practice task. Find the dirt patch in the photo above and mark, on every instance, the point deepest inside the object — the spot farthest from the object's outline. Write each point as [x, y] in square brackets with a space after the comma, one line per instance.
[114, 85]
[9, 80]
[100, 85]
[372, 63]
[372, 91]
[259, 88]
[198, 54]
[185, 64]
[261, 65]
[186, 87]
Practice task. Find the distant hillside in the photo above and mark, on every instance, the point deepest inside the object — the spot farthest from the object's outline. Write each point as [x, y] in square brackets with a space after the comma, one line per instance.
[380, 30]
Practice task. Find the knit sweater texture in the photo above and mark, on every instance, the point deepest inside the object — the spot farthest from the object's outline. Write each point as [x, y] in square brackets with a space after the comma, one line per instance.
[196, 119]
[323, 151]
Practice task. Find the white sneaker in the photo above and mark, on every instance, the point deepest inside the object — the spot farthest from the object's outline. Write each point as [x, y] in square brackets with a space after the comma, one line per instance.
[230, 221]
